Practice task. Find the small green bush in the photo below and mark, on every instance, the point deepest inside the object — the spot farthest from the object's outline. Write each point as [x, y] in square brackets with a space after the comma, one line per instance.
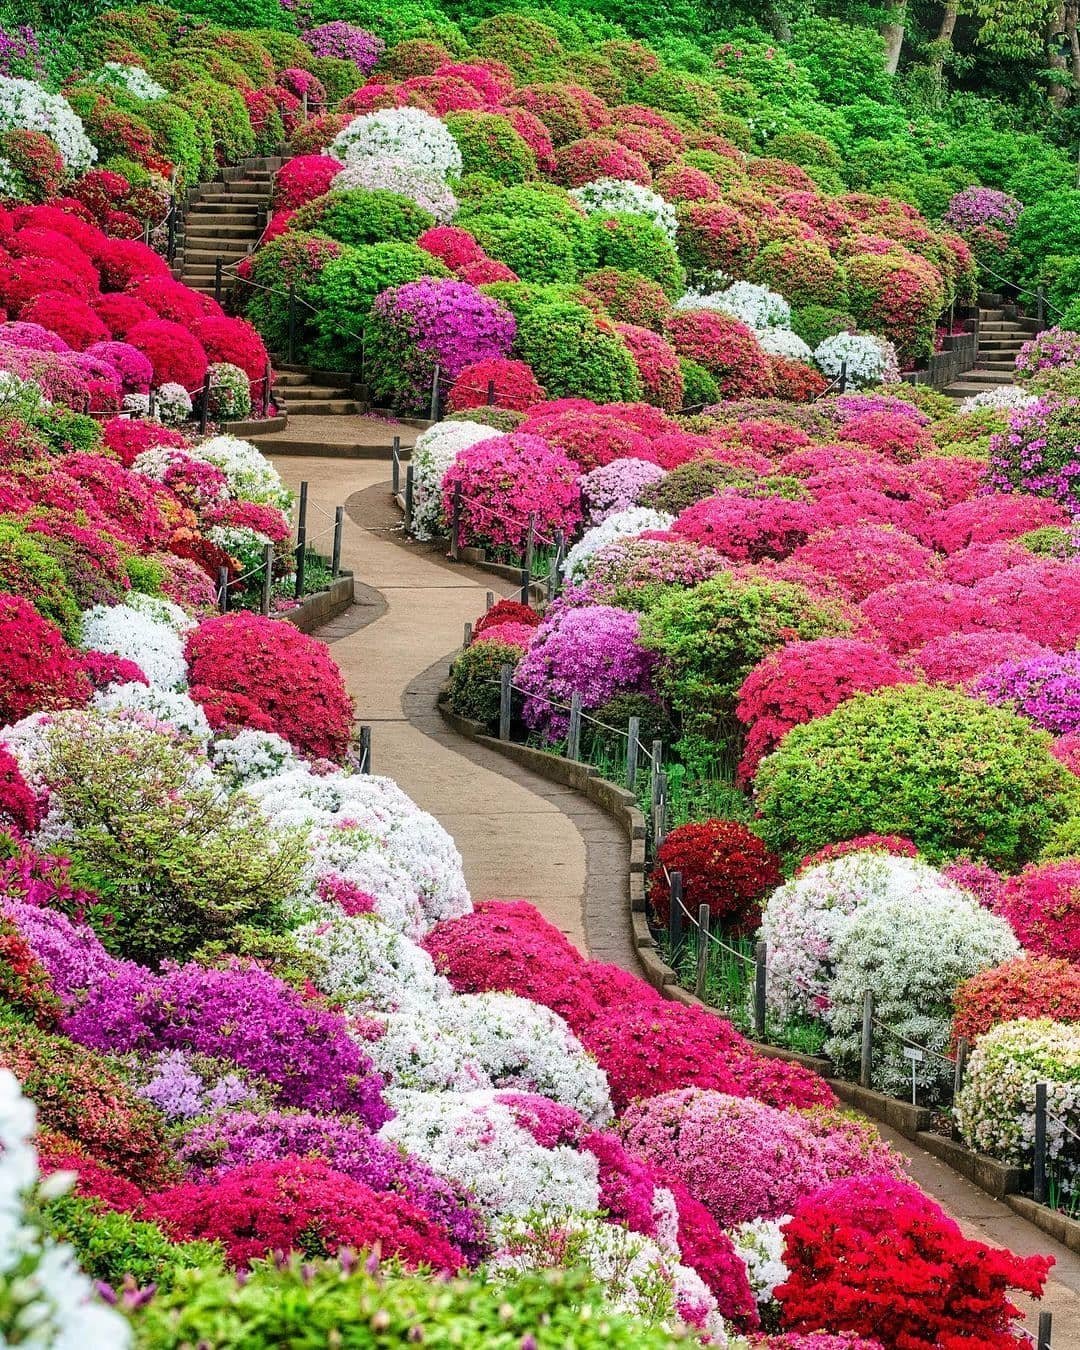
[536, 249]
[631, 243]
[928, 763]
[571, 357]
[473, 688]
[359, 216]
[489, 145]
[692, 482]
[28, 569]
[700, 390]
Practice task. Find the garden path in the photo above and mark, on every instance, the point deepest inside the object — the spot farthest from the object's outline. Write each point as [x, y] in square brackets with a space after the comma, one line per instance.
[519, 835]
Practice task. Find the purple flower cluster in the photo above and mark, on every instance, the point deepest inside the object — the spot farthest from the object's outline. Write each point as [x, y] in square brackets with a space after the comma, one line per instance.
[848, 406]
[1040, 452]
[182, 1087]
[978, 206]
[1046, 689]
[348, 1145]
[346, 42]
[20, 53]
[32, 336]
[1049, 350]
[616, 486]
[592, 651]
[628, 565]
[238, 1013]
[135, 371]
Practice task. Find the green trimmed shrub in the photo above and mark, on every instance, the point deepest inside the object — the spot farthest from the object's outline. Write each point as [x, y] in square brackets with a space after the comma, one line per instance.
[339, 77]
[924, 762]
[473, 688]
[27, 569]
[296, 259]
[537, 201]
[572, 358]
[814, 323]
[804, 273]
[700, 390]
[358, 216]
[535, 249]
[490, 146]
[631, 243]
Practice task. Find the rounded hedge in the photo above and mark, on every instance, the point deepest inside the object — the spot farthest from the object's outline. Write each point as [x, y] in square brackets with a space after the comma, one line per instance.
[572, 358]
[631, 243]
[928, 763]
[536, 249]
[490, 145]
[359, 216]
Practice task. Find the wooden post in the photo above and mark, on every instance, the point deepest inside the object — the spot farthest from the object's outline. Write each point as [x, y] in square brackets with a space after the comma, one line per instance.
[1046, 1322]
[365, 749]
[843, 377]
[962, 1048]
[702, 951]
[290, 350]
[633, 732]
[151, 404]
[505, 674]
[530, 546]
[660, 827]
[408, 498]
[170, 247]
[489, 599]
[217, 278]
[268, 381]
[435, 394]
[455, 524]
[573, 736]
[552, 580]
[866, 1058]
[339, 521]
[395, 466]
[526, 584]
[268, 577]
[204, 411]
[303, 106]
[1039, 1188]
[761, 952]
[223, 589]
[654, 771]
[301, 541]
[491, 394]
[675, 924]
[468, 635]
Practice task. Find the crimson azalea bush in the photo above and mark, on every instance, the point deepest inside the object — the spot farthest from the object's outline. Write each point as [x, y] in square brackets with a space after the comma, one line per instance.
[510, 384]
[958, 658]
[867, 558]
[724, 347]
[747, 528]
[1042, 904]
[38, 670]
[1028, 986]
[505, 481]
[879, 1258]
[295, 1204]
[18, 805]
[802, 681]
[290, 677]
[723, 865]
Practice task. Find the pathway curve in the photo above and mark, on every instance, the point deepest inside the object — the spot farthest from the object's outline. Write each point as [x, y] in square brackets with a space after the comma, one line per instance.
[519, 835]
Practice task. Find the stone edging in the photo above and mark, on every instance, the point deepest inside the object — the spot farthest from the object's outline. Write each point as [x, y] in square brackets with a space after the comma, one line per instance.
[323, 607]
[913, 1122]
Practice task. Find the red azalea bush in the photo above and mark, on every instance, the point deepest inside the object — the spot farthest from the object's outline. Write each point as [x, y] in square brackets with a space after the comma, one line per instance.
[745, 528]
[511, 383]
[173, 300]
[896, 438]
[958, 658]
[451, 245]
[1041, 601]
[657, 364]
[589, 435]
[38, 670]
[727, 349]
[296, 1204]
[894, 844]
[128, 437]
[290, 677]
[234, 341]
[1066, 749]
[506, 611]
[18, 805]
[122, 261]
[583, 161]
[67, 315]
[629, 297]
[976, 561]
[953, 478]
[877, 1257]
[1042, 905]
[804, 680]
[120, 312]
[566, 110]
[103, 669]
[982, 520]
[94, 1181]
[724, 865]
[795, 380]
[507, 480]
[1027, 986]
[909, 614]
[714, 236]
[681, 182]
[867, 558]
[176, 356]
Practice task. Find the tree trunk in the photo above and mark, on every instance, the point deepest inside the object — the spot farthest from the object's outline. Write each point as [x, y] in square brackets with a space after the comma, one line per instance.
[1054, 59]
[777, 20]
[941, 45]
[1072, 13]
[893, 33]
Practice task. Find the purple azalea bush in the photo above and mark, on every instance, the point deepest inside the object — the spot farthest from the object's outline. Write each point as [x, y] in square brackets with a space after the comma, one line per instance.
[1051, 349]
[427, 324]
[1046, 689]
[976, 206]
[616, 486]
[346, 42]
[592, 651]
[1039, 453]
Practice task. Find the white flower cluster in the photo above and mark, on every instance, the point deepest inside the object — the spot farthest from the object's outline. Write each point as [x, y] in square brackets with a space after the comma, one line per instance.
[26, 106]
[156, 462]
[869, 360]
[473, 1140]
[408, 134]
[147, 633]
[404, 177]
[247, 756]
[783, 342]
[155, 706]
[133, 79]
[996, 1106]
[250, 474]
[369, 967]
[760, 1245]
[754, 305]
[492, 1040]
[45, 1299]
[1002, 398]
[912, 949]
[623, 525]
[620, 194]
[434, 452]
[245, 546]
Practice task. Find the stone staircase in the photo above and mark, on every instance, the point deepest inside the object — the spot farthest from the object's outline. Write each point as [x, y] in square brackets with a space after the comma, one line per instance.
[1002, 332]
[315, 393]
[223, 219]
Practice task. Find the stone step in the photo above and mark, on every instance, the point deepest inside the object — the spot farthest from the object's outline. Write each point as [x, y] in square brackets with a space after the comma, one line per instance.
[320, 407]
[275, 445]
[313, 393]
[239, 198]
[992, 363]
[212, 229]
[234, 216]
[978, 376]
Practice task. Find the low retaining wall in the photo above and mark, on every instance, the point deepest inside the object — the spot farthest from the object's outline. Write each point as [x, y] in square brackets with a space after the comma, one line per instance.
[913, 1122]
[322, 607]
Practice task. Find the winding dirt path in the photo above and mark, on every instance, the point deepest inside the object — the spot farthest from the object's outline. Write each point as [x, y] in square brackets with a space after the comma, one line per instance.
[519, 835]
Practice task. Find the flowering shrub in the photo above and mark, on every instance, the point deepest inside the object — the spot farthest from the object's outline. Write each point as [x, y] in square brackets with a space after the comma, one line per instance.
[1026, 987]
[346, 42]
[723, 865]
[953, 1289]
[1046, 689]
[959, 658]
[299, 1204]
[724, 347]
[506, 480]
[629, 297]
[868, 360]
[403, 134]
[290, 677]
[635, 520]
[176, 356]
[975, 206]
[26, 106]
[38, 670]
[303, 178]
[867, 558]
[427, 324]
[1048, 350]
[1038, 452]
[802, 681]
[878, 760]
[1040, 905]
[510, 384]
[607, 195]
[616, 487]
[435, 451]
[714, 236]
[746, 528]
[592, 651]
[1037, 600]
[658, 366]
[910, 614]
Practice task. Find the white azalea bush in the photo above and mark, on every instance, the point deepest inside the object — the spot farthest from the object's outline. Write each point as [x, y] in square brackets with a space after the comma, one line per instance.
[132, 79]
[45, 1299]
[619, 194]
[1002, 398]
[622, 525]
[434, 452]
[760, 1244]
[152, 704]
[912, 950]
[869, 360]
[403, 176]
[783, 342]
[408, 134]
[756, 306]
[250, 475]
[149, 635]
[368, 966]
[26, 106]
[248, 756]
[996, 1106]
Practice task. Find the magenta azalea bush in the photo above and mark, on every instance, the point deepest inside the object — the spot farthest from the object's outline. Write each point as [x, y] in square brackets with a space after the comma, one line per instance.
[1045, 688]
